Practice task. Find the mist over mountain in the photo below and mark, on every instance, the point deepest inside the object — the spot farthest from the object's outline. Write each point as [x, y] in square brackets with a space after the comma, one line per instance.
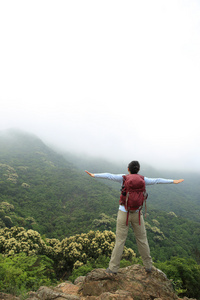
[39, 166]
[93, 85]
[48, 192]
[43, 189]
[21, 148]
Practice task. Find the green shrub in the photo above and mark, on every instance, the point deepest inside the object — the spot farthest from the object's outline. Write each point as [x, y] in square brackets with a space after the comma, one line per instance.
[81, 271]
[81, 248]
[21, 273]
[68, 254]
[185, 275]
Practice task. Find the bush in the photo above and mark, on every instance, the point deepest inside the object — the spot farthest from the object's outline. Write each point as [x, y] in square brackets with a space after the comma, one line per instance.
[185, 276]
[68, 254]
[17, 239]
[22, 273]
[92, 245]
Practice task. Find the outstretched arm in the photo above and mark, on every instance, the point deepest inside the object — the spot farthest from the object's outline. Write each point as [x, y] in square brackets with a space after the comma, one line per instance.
[151, 181]
[109, 176]
[119, 178]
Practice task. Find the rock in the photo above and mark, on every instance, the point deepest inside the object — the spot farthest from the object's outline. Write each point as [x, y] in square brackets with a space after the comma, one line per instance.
[49, 293]
[118, 295]
[185, 298]
[79, 280]
[133, 279]
[131, 283]
[4, 296]
[69, 288]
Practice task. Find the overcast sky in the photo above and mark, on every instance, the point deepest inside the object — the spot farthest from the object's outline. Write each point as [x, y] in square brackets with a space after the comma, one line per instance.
[119, 79]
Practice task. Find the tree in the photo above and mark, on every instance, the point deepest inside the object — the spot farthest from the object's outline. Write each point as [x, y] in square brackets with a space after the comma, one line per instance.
[185, 275]
[21, 273]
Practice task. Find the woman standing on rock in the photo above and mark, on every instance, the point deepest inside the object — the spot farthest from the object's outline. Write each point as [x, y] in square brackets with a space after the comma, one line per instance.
[124, 217]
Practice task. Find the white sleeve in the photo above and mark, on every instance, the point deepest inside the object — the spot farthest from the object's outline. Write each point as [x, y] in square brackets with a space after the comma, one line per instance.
[109, 176]
[150, 181]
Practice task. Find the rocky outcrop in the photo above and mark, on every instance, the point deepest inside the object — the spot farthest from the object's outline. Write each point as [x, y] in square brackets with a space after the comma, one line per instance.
[131, 283]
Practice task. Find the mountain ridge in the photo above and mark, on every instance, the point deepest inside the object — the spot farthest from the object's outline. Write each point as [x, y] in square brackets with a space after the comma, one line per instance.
[43, 191]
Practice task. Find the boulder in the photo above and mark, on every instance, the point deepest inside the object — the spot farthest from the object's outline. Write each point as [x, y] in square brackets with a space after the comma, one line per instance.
[4, 296]
[130, 283]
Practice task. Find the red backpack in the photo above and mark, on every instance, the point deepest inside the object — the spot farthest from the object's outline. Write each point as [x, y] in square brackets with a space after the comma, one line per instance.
[133, 193]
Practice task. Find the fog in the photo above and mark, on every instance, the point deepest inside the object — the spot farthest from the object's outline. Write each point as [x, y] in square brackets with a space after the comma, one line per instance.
[117, 79]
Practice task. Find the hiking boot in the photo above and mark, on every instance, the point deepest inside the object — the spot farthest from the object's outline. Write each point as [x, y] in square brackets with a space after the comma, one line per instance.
[110, 272]
[148, 270]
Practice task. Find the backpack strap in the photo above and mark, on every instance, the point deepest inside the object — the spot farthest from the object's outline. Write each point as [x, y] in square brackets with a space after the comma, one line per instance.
[145, 200]
[126, 202]
[138, 215]
[127, 208]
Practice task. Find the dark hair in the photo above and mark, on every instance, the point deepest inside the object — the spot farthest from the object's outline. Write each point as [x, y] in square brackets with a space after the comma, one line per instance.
[134, 167]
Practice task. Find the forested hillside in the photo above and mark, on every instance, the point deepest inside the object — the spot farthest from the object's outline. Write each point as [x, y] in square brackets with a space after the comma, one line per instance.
[183, 199]
[40, 190]
[43, 191]
[50, 196]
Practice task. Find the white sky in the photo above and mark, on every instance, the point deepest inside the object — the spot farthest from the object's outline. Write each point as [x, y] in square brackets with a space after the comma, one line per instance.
[119, 79]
